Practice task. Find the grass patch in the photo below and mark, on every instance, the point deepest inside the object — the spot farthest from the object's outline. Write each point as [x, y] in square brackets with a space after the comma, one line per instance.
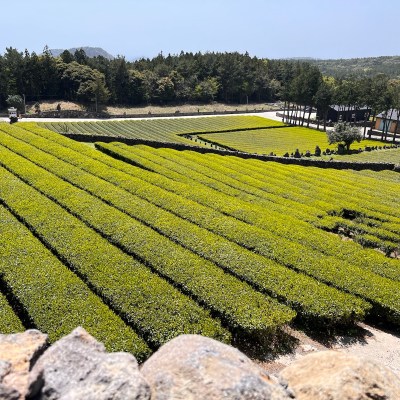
[278, 140]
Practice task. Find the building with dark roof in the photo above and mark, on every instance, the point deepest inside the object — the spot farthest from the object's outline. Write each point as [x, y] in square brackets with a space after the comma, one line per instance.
[338, 112]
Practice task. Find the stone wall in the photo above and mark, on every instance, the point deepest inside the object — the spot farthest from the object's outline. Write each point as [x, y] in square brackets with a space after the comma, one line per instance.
[305, 162]
[188, 367]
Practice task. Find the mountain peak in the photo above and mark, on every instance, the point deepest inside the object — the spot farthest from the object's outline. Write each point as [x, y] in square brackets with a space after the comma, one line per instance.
[90, 52]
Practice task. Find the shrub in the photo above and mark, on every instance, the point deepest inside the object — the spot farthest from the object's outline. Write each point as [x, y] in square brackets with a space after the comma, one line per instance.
[345, 134]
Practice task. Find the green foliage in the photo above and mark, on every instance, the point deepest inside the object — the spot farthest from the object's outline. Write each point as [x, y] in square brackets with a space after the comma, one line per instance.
[224, 77]
[231, 77]
[245, 133]
[323, 97]
[163, 130]
[276, 202]
[83, 82]
[324, 268]
[94, 90]
[345, 133]
[165, 89]
[16, 101]
[9, 321]
[67, 57]
[207, 90]
[228, 201]
[385, 155]
[56, 300]
[226, 213]
[364, 67]
[240, 306]
[316, 301]
[278, 140]
[158, 311]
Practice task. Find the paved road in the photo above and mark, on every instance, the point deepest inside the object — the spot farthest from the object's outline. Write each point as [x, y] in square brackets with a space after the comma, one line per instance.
[267, 114]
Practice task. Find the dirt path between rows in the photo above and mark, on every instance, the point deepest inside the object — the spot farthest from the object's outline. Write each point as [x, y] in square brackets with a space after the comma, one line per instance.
[372, 343]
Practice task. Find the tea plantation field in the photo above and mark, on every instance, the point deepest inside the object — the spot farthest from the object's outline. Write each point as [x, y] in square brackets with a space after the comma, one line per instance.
[251, 134]
[161, 130]
[139, 245]
[278, 141]
[383, 155]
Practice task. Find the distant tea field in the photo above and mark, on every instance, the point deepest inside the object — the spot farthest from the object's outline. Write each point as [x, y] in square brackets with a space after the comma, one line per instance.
[383, 155]
[161, 130]
[251, 134]
[278, 141]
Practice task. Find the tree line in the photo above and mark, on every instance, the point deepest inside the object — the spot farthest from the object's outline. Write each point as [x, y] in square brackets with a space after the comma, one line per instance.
[190, 77]
[187, 77]
[366, 67]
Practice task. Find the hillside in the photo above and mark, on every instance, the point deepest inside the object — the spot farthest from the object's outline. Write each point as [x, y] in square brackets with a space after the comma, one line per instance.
[369, 66]
[168, 242]
[90, 52]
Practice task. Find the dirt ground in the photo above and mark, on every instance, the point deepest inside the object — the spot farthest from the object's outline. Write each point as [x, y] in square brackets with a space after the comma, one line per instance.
[368, 342]
[153, 109]
[190, 108]
[49, 105]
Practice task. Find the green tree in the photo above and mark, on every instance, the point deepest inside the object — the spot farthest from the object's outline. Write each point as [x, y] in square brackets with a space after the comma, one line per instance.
[80, 82]
[120, 81]
[348, 95]
[3, 83]
[323, 100]
[344, 134]
[15, 101]
[80, 56]
[94, 90]
[14, 67]
[303, 89]
[165, 89]
[149, 85]
[32, 75]
[49, 77]
[393, 97]
[136, 87]
[394, 90]
[206, 90]
[67, 57]
[375, 95]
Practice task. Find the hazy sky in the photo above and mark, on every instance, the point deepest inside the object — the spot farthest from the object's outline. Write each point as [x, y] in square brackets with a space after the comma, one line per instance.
[264, 28]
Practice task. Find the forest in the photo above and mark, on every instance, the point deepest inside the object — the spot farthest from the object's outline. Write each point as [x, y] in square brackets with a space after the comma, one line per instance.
[187, 78]
[228, 77]
[368, 66]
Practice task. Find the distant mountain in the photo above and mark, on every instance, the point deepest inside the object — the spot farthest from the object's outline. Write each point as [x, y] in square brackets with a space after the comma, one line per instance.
[90, 52]
[300, 58]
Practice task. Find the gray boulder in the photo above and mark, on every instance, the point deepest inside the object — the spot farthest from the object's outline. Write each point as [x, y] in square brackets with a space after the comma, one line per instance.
[78, 367]
[195, 367]
[331, 375]
[18, 352]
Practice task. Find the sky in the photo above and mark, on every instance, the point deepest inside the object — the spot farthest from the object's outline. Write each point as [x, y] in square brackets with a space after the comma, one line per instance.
[264, 28]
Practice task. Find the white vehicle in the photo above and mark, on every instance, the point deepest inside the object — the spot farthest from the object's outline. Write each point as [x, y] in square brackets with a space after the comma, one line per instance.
[13, 114]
